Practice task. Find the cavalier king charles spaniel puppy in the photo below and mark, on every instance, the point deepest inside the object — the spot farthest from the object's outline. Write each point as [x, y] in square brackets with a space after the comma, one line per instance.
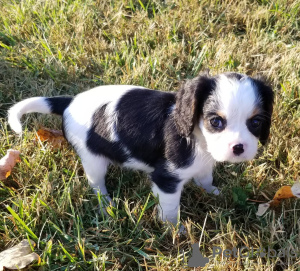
[173, 136]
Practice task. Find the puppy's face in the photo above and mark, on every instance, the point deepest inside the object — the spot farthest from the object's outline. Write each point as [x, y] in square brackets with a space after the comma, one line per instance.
[233, 111]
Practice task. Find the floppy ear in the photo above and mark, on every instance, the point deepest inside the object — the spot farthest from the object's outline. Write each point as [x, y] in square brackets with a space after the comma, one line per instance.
[189, 103]
[267, 99]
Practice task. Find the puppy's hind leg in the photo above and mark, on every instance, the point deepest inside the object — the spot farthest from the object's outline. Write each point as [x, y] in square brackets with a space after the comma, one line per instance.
[95, 168]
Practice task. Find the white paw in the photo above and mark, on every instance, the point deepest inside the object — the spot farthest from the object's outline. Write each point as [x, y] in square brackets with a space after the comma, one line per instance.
[175, 228]
[212, 189]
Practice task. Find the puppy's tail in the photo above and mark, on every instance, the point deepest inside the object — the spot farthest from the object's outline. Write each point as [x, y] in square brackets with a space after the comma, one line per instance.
[55, 105]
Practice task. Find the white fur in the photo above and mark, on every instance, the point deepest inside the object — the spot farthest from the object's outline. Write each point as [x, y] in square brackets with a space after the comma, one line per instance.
[35, 104]
[237, 101]
[138, 165]
[168, 203]
[112, 117]
[79, 114]
[202, 164]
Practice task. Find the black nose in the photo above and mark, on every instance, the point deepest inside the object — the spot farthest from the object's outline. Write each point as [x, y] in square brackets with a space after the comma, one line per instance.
[238, 149]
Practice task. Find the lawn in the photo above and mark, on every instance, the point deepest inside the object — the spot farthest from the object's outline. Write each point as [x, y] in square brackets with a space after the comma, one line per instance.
[60, 47]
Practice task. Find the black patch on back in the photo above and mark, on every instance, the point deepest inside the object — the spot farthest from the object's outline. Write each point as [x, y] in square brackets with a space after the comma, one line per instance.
[142, 114]
[146, 129]
[98, 141]
[59, 104]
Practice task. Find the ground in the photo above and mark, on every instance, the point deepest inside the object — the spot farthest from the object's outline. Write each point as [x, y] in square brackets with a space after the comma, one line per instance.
[65, 47]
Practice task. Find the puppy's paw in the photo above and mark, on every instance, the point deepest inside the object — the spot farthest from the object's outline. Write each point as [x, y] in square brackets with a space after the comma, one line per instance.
[212, 189]
[175, 229]
[206, 184]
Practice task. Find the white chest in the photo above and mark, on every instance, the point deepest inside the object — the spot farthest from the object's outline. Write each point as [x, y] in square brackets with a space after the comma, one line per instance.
[201, 166]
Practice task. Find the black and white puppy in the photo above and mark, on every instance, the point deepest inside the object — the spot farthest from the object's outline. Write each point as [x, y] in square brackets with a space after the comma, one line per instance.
[173, 136]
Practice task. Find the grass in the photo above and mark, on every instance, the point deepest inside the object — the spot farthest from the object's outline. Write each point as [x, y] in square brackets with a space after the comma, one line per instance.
[65, 47]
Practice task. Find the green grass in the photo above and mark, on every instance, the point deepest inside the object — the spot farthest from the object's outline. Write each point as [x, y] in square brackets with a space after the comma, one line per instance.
[65, 47]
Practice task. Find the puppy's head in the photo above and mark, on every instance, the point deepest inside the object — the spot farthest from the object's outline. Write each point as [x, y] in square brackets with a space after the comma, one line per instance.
[233, 112]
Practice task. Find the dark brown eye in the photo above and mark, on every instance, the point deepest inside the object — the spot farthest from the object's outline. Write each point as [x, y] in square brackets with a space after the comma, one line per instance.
[217, 122]
[255, 123]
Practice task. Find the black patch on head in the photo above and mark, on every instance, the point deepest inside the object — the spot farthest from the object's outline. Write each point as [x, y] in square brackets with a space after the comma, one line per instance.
[266, 97]
[59, 104]
[98, 141]
[256, 131]
[141, 118]
[189, 103]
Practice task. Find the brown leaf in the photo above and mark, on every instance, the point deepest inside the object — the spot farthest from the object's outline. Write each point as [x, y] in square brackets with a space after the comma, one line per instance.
[8, 162]
[53, 137]
[285, 192]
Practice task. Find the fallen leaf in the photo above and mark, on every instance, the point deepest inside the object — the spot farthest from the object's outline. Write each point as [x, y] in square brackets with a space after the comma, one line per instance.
[262, 208]
[54, 137]
[19, 256]
[8, 162]
[285, 192]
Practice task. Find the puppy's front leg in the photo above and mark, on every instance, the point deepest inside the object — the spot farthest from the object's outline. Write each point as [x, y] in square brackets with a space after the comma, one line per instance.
[168, 203]
[206, 183]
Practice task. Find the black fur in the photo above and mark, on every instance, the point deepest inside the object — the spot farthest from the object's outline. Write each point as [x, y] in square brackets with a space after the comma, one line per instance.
[164, 179]
[266, 97]
[178, 150]
[59, 104]
[98, 141]
[189, 103]
[142, 115]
